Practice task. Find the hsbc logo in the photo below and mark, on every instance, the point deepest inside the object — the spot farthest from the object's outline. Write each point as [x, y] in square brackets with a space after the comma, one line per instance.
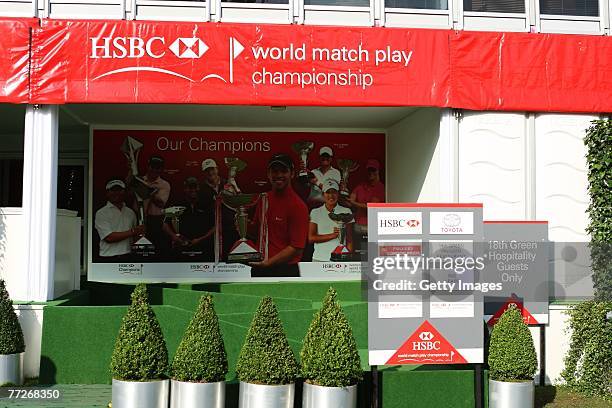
[154, 47]
[188, 47]
[427, 343]
[426, 336]
[133, 48]
[399, 223]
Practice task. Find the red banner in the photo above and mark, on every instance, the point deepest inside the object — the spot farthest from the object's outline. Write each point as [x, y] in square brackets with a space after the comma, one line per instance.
[15, 58]
[212, 63]
[532, 72]
[141, 62]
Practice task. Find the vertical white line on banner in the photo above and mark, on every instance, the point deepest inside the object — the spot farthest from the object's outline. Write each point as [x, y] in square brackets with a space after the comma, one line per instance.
[530, 167]
[40, 199]
[231, 61]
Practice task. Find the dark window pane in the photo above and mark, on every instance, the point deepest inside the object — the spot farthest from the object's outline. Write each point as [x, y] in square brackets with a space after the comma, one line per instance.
[257, 1]
[494, 6]
[338, 3]
[588, 8]
[11, 182]
[418, 4]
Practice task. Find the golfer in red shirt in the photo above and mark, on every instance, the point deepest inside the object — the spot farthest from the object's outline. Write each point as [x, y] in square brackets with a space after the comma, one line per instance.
[287, 218]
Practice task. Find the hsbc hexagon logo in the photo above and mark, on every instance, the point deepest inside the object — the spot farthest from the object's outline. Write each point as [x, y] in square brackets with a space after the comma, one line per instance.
[157, 48]
[188, 47]
[426, 336]
[153, 47]
[399, 223]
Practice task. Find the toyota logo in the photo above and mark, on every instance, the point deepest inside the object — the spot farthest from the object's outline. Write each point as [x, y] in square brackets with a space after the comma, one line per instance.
[452, 220]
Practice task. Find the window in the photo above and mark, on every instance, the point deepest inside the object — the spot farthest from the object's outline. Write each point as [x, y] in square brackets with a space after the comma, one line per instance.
[494, 6]
[589, 8]
[11, 182]
[338, 3]
[258, 1]
[418, 4]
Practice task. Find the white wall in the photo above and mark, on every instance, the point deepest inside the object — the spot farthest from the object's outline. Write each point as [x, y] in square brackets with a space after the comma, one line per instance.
[12, 252]
[413, 158]
[492, 163]
[525, 167]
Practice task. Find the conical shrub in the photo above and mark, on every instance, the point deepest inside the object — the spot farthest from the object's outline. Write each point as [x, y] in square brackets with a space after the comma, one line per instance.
[265, 357]
[329, 356]
[201, 355]
[140, 352]
[11, 336]
[512, 356]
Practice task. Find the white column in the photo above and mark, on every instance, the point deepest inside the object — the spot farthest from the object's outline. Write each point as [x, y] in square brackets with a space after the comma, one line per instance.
[40, 199]
[449, 155]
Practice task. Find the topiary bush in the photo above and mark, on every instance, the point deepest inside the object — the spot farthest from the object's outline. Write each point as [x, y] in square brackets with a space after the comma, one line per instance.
[140, 352]
[512, 355]
[265, 357]
[598, 141]
[11, 335]
[329, 356]
[589, 360]
[201, 355]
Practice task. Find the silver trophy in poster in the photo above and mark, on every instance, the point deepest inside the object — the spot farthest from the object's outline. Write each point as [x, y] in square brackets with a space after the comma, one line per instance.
[174, 214]
[243, 250]
[346, 166]
[131, 149]
[303, 149]
[235, 166]
[341, 252]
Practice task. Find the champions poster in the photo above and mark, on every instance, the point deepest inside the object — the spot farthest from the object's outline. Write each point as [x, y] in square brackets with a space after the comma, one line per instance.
[196, 206]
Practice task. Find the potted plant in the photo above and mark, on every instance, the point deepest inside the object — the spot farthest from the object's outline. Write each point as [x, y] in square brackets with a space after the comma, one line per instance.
[12, 345]
[512, 362]
[331, 366]
[200, 364]
[140, 359]
[266, 366]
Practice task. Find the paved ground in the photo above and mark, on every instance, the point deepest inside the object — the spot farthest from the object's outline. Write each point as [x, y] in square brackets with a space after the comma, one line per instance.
[73, 396]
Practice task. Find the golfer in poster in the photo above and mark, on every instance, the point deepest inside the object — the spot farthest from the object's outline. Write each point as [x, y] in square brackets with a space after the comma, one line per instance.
[323, 232]
[287, 218]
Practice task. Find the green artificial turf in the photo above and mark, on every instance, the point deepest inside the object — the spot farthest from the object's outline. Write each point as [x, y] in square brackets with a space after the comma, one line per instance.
[78, 340]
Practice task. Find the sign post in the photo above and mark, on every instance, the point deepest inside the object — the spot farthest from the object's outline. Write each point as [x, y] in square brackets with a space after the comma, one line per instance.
[422, 306]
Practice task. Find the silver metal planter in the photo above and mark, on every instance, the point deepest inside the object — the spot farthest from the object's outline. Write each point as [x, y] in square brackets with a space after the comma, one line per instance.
[11, 368]
[146, 394]
[197, 395]
[266, 396]
[316, 396]
[511, 394]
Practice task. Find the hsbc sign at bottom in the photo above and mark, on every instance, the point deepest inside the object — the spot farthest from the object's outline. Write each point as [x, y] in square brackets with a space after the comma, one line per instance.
[154, 47]
[426, 346]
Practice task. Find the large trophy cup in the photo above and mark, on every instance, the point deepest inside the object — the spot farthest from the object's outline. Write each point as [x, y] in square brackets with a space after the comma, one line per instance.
[342, 252]
[303, 148]
[346, 166]
[131, 149]
[243, 250]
